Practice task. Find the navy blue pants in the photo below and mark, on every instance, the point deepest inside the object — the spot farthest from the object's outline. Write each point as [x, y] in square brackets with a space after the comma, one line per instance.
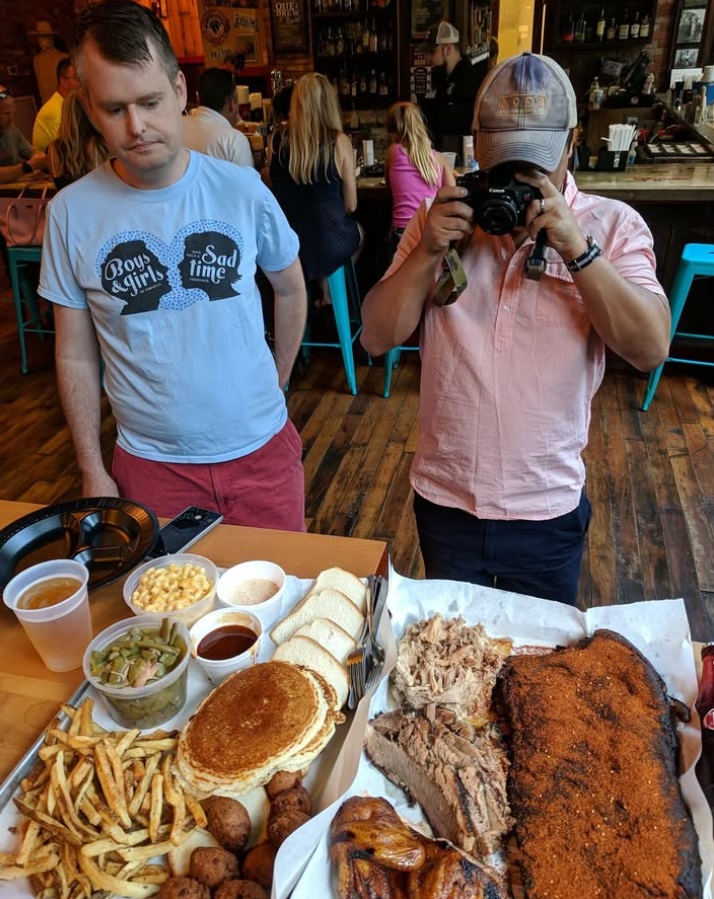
[538, 558]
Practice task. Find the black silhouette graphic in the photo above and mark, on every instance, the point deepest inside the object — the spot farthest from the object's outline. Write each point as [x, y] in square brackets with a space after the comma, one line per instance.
[210, 263]
[131, 272]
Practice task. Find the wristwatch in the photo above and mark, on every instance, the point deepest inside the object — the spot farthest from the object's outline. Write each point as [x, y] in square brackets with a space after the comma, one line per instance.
[26, 167]
[584, 259]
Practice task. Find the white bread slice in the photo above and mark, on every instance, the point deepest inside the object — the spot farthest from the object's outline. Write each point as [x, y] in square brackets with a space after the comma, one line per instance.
[339, 579]
[306, 652]
[330, 635]
[328, 604]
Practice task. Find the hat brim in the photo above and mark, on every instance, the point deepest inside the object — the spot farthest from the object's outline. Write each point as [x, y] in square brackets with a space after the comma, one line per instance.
[540, 148]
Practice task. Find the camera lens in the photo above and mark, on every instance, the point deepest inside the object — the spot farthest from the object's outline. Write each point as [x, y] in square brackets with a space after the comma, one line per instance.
[498, 216]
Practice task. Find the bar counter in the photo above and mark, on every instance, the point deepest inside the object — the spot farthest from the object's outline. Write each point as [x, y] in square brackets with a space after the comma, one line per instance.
[30, 694]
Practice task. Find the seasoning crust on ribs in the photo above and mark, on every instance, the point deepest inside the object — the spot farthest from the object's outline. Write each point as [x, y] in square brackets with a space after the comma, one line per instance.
[593, 782]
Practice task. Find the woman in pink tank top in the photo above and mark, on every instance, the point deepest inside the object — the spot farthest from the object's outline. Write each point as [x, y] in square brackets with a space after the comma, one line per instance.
[414, 170]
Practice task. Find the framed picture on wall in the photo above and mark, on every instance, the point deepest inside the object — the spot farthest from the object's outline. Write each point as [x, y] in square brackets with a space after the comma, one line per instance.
[690, 24]
[288, 21]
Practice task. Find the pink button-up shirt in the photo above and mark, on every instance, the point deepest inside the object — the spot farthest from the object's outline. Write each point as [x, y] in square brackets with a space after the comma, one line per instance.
[510, 369]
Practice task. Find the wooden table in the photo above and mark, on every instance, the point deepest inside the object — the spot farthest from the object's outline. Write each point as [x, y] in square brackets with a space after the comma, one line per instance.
[30, 694]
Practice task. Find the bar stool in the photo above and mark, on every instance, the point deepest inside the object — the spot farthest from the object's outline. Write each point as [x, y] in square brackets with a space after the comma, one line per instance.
[346, 308]
[29, 320]
[697, 260]
[391, 361]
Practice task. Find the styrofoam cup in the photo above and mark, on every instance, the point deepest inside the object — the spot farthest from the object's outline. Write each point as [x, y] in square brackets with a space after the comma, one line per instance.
[450, 159]
[368, 152]
[62, 632]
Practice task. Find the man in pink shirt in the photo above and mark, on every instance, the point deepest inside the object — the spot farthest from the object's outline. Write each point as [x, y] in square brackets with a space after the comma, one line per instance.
[510, 369]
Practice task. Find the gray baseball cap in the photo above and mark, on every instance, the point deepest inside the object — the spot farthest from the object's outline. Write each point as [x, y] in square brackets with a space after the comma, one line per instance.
[524, 111]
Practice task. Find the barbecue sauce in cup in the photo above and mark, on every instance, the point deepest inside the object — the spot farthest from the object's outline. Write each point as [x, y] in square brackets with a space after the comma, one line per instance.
[226, 642]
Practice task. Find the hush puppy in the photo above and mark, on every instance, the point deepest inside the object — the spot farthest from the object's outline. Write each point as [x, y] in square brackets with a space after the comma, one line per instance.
[212, 866]
[297, 798]
[280, 828]
[229, 822]
[240, 889]
[282, 781]
[183, 888]
[258, 864]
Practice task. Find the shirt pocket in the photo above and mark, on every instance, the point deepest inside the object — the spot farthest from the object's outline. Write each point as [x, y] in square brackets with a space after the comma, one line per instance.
[558, 304]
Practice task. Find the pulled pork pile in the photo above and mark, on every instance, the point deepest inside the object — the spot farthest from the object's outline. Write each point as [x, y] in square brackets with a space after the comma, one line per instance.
[449, 663]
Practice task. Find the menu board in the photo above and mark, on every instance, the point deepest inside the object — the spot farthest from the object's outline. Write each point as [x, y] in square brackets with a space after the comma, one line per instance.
[289, 24]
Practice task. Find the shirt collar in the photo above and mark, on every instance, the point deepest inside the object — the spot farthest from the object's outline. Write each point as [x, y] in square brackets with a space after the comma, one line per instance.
[203, 112]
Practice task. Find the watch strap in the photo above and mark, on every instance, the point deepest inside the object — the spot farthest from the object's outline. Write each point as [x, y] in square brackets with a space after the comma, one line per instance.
[584, 259]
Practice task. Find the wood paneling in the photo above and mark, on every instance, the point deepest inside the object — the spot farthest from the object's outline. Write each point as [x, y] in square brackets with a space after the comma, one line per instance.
[650, 475]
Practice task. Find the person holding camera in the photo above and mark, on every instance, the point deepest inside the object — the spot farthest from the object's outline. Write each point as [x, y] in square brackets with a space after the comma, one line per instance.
[510, 368]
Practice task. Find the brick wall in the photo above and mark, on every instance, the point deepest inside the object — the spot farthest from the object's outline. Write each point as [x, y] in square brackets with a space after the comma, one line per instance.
[661, 46]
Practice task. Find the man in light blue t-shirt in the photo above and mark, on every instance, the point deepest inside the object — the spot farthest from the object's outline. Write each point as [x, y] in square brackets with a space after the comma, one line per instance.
[151, 260]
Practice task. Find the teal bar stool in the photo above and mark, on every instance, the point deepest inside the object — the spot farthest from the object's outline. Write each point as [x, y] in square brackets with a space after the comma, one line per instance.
[29, 320]
[391, 361]
[348, 318]
[697, 260]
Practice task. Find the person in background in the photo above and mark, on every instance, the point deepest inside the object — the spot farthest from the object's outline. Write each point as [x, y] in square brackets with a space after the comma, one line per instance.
[47, 121]
[150, 263]
[209, 128]
[454, 84]
[509, 369]
[414, 171]
[79, 147]
[18, 158]
[313, 177]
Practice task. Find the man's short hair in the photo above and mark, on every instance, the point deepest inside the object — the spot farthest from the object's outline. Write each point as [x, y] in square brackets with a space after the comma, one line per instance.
[125, 33]
[215, 87]
[63, 66]
[524, 112]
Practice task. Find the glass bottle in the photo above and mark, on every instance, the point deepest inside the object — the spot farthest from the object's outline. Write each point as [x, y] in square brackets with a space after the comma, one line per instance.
[635, 27]
[580, 28]
[373, 38]
[373, 82]
[383, 89]
[624, 32]
[601, 25]
[705, 709]
[568, 33]
[645, 27]
[611, 32]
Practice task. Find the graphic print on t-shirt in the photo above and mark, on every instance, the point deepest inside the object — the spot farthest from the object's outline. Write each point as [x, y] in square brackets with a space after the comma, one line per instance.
[202, 262]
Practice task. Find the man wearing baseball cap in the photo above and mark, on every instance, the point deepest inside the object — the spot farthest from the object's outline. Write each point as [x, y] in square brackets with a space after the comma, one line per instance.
[510, 369]
[454, 85]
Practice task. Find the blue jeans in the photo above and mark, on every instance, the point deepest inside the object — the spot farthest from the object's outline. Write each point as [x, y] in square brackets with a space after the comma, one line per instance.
[538, 558]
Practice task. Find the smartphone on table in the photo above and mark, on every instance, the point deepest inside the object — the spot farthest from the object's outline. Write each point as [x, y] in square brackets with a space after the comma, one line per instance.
[184, 530]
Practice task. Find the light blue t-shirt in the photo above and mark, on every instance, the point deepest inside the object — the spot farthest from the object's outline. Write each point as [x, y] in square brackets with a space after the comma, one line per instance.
[169, 278]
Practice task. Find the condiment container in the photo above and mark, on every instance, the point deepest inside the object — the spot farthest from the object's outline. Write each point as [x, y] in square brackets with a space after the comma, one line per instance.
[231, 630]
[154, 703]
[191, 613]
[240, 587]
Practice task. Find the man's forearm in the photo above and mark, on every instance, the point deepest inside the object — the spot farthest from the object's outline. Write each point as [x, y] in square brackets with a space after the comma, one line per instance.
[11, 172]
[80, 395]
[290, 318]
[632, 321]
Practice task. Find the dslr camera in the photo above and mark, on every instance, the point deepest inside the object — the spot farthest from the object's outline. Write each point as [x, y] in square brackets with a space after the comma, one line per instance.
[498, 200]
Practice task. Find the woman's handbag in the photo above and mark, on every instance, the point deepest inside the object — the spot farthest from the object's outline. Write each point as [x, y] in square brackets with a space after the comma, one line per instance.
[22, 219]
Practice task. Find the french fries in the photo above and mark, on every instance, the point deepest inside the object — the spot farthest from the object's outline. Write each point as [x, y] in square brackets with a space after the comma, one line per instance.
[97, 808]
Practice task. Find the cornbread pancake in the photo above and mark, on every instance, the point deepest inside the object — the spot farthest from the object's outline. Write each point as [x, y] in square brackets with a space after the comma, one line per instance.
[249, 727]
[593, 779]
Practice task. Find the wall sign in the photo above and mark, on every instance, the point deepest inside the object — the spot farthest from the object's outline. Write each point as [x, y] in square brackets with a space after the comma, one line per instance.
[289, 24]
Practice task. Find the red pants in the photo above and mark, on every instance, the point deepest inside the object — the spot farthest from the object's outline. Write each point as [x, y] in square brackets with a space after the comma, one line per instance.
[265, 489]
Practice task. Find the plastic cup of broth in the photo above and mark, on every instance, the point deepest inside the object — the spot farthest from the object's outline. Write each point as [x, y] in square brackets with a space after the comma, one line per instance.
[51, 602]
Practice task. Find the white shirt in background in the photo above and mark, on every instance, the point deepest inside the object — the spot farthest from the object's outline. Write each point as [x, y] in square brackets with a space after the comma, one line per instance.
[207, 131]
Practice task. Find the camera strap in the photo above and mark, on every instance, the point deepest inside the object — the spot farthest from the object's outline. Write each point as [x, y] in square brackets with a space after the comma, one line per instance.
[535, 263]
[452, 282]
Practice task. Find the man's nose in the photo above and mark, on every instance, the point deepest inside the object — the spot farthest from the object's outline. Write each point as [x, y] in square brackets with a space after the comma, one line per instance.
[135, 122]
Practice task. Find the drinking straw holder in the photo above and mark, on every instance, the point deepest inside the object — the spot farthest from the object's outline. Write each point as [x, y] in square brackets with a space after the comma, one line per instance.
[612, 160]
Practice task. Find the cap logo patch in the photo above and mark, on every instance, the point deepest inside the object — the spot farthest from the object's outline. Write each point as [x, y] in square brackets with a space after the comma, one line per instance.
[523, 104]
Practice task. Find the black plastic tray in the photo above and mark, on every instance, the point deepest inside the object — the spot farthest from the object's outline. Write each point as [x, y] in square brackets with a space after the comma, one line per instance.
[109, 535]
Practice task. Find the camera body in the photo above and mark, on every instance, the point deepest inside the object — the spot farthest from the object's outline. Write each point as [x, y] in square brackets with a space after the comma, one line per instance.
[498, 200]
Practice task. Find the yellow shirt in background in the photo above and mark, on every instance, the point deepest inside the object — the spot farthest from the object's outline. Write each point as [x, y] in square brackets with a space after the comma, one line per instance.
[47, 123]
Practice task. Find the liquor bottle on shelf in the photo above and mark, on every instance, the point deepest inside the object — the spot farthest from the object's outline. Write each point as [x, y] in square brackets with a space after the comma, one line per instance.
[363, 82]
[340, 43]
[624, 31]
[353, 85]
[601, 25]
[611, 33]
[373, 38]
[373, 82]
[383, 89]
[580, 27]
[568, 33]
[645, 27]
[635, 27]
[365, 37]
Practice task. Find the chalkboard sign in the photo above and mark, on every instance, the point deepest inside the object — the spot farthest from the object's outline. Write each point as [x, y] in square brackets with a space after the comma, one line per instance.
[289, 24]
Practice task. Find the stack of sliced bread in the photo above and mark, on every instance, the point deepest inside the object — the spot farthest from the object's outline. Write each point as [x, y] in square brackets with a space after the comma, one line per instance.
[322, 629]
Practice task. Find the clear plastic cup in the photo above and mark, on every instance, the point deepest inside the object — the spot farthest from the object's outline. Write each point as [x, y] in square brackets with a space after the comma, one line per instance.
[60, 633]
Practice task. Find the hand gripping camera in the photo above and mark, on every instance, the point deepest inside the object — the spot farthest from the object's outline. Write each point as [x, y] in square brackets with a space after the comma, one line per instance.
[499, 202]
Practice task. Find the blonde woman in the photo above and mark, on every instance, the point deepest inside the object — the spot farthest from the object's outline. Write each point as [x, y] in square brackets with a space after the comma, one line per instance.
[312, 175]
[79, 147]
[414, 170]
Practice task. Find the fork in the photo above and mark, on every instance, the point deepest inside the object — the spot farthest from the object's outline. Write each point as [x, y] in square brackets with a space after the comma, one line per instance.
[376, 654]
[356, 664]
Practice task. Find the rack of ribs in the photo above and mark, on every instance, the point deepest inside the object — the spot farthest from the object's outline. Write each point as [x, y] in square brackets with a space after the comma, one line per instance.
[593, 779]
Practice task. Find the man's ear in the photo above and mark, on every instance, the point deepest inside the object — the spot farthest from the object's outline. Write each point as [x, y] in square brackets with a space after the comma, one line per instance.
[181, 90]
